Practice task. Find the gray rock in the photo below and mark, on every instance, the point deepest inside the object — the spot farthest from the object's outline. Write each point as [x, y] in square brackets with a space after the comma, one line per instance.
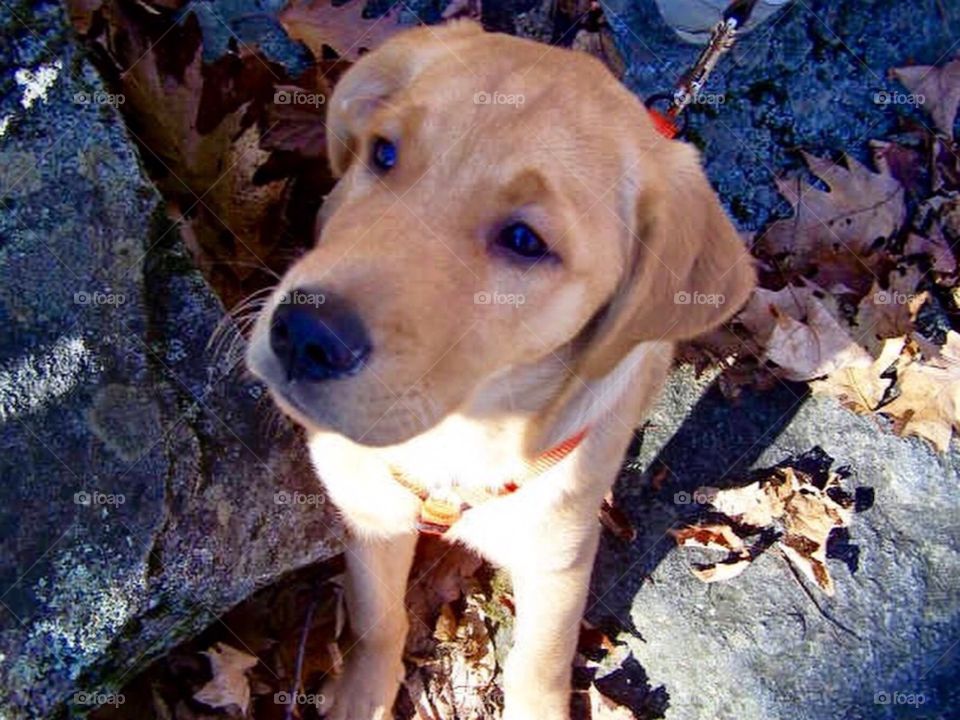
[888, 644]
[138, 482]
[759, 646]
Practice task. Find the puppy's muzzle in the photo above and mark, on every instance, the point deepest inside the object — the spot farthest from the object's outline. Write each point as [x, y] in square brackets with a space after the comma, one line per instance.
[317, 336]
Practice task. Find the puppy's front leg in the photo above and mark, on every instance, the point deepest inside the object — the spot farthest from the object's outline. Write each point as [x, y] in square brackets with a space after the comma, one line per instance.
[550, 603]
[377, 570]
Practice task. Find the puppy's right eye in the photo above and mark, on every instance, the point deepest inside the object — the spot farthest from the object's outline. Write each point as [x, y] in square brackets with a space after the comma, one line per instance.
[521, 239]
[384, 154]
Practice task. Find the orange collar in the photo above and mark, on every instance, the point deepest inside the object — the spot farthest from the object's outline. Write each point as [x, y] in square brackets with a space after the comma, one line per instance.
[438, 514]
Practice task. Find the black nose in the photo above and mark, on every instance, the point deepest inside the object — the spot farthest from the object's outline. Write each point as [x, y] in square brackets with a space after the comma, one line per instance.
[318, 336]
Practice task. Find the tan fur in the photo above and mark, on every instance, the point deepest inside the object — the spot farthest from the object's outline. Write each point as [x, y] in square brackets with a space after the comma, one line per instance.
[456, 391]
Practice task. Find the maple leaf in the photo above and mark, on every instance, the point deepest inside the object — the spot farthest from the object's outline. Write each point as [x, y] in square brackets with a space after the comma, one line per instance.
[940, 88]
[229, 685]
[834, 234]
[929, 401]
[323, 26]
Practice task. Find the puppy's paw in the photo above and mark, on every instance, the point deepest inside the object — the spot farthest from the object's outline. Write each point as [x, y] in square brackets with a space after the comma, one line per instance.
[365, 691]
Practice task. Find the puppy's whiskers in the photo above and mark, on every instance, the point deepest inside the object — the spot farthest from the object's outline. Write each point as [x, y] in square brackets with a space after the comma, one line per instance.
[229, 338]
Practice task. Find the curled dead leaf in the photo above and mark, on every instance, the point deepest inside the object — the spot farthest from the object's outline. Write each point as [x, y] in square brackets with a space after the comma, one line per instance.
[928, 404]
[862, 389]
[229, 686]
[788, 504]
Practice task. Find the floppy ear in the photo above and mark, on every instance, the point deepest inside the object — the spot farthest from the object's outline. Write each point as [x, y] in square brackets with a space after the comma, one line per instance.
[378, 75]
[687, 271]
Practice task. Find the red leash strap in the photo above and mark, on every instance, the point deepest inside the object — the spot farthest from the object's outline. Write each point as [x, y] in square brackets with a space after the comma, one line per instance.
[664, 125]
[691, 84]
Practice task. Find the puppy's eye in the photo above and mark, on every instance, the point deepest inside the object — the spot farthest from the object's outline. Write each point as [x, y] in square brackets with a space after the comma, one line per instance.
[384, 155]
[520, 239]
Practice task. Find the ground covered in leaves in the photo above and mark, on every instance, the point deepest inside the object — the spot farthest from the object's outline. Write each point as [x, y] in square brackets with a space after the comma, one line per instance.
[859, 298]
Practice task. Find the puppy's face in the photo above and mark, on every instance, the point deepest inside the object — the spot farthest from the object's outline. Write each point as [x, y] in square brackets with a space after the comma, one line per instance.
[496, 197]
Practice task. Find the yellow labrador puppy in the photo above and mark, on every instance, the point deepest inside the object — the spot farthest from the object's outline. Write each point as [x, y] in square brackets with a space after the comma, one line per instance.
[499, 278]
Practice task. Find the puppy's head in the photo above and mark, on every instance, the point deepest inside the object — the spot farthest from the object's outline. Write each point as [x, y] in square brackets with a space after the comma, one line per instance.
[500, 201]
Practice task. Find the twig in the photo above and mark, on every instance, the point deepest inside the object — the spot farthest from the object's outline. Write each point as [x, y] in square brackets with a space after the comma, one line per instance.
[824, 613]
[298, 670]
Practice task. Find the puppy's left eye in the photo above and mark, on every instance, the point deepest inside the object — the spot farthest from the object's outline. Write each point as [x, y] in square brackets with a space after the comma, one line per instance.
[384, 154]
[521, 239]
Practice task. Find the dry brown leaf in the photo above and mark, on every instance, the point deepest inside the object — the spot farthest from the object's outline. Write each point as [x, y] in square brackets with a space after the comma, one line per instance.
[603, 708]
[614, 520]
[460, 684]
[229, 685]
[935, 246]
[789, 501]
[711, 537]
[720, 571]
[799, 333]
[341, 28]
[815, 348]
[600, 43]
[244, 204]
[891, 312]
[756, 505]
[940, 88]
[760, 315]
[834, 233]
[904, 163]
[446, 629]
[929, 401]
[810, 517]
[862, 389]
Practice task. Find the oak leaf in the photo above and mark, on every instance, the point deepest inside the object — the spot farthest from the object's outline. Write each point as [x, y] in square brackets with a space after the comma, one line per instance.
[834, 234]
[862, 389]
[323, 26]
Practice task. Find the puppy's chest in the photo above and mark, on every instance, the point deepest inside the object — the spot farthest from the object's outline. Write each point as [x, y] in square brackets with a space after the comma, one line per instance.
[458, 458]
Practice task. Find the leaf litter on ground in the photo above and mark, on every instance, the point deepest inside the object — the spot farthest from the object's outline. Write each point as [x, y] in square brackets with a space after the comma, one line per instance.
[858, 297]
